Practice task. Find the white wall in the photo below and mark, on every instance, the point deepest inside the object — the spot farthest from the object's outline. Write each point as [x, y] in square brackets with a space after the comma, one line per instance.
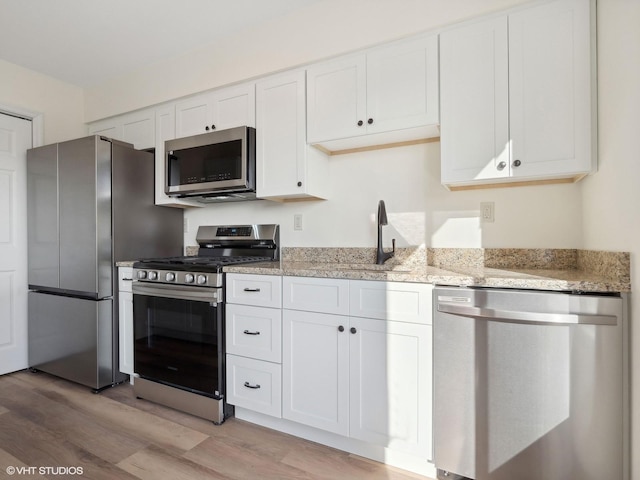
[326, 28]
[61, 104]
[612, 197]
[420, 210]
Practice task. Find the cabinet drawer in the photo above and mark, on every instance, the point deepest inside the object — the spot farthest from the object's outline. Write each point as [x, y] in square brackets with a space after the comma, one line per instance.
[125, 277]
[323, 295]
[254, 332]
[254, 384]
[258, 290]
[404, 302]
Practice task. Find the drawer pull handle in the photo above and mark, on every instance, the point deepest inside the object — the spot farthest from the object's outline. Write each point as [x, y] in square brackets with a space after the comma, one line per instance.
[251, 289]
[127, 279]
[248, 385]
[247, 332]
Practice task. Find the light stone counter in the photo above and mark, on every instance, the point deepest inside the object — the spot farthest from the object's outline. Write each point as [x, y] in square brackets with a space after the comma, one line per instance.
[540, 269]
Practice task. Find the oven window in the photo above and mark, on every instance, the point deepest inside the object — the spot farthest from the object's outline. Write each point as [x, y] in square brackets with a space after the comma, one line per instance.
[208, 163]
[178, 342]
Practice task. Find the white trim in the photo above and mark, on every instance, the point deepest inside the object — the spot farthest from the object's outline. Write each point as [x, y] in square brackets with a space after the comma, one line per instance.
[37, 121]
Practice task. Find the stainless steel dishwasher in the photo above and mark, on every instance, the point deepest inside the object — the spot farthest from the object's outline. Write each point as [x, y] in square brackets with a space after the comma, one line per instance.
[530, 385]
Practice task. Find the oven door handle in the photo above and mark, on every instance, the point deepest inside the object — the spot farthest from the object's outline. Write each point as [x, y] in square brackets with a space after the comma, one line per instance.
[196, 294]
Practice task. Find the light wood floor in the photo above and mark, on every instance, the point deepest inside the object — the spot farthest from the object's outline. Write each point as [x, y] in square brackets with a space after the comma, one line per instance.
[49, 422]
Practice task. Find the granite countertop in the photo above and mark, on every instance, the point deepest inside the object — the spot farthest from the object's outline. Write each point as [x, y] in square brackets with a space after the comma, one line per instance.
[540, 269]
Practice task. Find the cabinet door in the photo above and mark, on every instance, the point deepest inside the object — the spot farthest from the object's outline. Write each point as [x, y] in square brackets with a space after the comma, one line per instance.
[193, 116]
[109, 128]
[233, 107]
[315, 370]
[139, 129]
[166, 130]
[390, 379]
[474, 109]
[550, 89]
[280, 135]
[402, 85]
[336, 99]
[125, 325]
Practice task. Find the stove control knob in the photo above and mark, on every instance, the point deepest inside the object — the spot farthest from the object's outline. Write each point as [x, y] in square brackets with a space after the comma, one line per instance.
[153, 275]
[188, 278]
[202, 279]
[170, 276]
[142, 274]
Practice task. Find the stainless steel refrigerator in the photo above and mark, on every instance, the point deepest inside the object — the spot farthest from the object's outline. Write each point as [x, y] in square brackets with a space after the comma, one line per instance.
[90, 204]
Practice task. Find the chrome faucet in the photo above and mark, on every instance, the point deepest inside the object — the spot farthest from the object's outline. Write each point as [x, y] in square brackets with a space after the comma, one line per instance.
[381, 255]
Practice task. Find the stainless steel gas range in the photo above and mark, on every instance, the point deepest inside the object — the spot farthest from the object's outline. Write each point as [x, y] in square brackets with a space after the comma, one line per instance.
[178, 312]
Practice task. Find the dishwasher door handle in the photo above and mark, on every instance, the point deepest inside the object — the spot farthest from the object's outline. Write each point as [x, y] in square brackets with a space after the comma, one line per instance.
[527, 317]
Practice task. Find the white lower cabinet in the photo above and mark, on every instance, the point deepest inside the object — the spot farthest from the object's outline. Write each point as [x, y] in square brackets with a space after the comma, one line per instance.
[125, 319]
[253, 341]
[365, 377]
[356, 370]
[316, 370]
[390, 384]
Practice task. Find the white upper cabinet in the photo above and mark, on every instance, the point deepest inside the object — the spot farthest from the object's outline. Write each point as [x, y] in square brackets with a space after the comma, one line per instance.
[286, 167]
[166, 130]
[217, 110]
[517, 96]
[137, 128]
[385, 95]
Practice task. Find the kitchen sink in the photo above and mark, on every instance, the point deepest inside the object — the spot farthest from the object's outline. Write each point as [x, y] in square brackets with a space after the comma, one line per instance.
[364, 267]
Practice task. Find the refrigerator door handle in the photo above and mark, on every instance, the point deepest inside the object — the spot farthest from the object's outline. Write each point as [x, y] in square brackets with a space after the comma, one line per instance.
[527, 317]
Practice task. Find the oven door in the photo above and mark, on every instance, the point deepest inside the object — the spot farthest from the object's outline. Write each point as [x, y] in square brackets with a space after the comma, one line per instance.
[179, 339]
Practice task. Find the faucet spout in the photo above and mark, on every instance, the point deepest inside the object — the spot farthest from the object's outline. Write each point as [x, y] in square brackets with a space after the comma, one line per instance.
[381, 255]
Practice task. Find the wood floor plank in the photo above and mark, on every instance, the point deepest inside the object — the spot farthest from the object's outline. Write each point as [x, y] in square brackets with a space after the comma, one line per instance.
[328, 464]
[239, 464]
[64, 422]
[117, 415]
[47, 421]
[152, 464]
[34, 446]
[7, 460]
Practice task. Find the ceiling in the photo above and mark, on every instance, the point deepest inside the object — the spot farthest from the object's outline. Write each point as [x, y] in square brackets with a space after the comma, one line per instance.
[87, 42]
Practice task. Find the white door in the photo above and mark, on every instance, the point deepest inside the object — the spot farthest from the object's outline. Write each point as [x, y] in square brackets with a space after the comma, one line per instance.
[315, 370]
[15, 139]
[402, 85]
[474, 101]
[550, 90]
[390, 384]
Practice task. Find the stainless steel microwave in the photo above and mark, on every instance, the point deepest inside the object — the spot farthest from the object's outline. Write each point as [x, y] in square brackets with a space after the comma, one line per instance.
[214, 166]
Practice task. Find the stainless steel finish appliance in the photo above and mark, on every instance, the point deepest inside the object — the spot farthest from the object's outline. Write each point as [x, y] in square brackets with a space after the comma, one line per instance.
[90, 204]
[529, 385]
[214, 166]
[178, 315]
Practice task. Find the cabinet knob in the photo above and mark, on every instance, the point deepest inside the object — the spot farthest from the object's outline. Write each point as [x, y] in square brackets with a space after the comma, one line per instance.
[213, 127]
[206, 128]
[360, 123]
[353, 330]
[370, 121]
[501, 165]
[299, 184]
[516, 163]
[341, 328]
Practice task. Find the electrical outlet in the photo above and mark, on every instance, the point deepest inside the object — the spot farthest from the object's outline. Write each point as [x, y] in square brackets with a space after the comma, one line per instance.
[186, 225]
[297, 221]
[487, 213]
